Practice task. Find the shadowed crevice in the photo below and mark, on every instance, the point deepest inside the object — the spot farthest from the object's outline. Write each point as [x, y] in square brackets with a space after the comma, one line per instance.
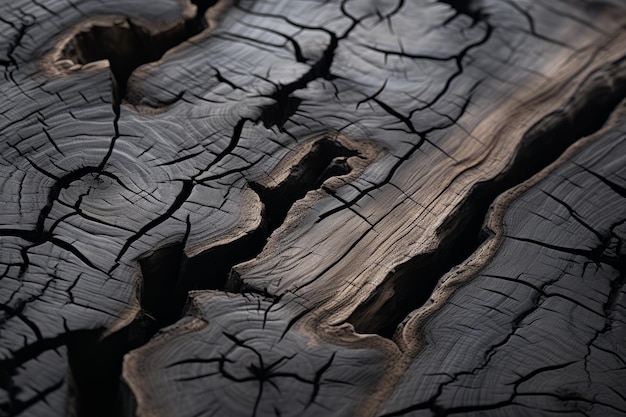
[411, 284]
[326, 159]
[96, 364]
[285, 104]
[470, 8]
[128, 45]
[168, 275]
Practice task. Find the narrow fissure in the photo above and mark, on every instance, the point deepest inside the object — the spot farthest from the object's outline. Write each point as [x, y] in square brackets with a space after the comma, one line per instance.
[411, 284]
[96, 365]
[127, 45]
[285, 105]
[326, 159]
[168, 276]
[96, 362]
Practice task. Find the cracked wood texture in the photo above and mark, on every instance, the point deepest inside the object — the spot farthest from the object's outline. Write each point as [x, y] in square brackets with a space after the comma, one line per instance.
[312, 208]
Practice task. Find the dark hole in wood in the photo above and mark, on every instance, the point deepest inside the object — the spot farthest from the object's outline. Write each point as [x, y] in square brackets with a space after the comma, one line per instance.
[277, 114]
[413, 282]
[96, 366]
[168, 276]
[471, 8]
[326, 159]
[127, 46]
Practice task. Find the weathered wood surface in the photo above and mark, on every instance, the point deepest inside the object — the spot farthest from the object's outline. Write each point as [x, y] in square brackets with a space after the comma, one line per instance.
[540, 330]
[317, 173]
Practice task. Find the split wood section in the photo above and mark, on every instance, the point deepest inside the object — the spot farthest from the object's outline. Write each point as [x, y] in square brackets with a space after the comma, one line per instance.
[344, 208]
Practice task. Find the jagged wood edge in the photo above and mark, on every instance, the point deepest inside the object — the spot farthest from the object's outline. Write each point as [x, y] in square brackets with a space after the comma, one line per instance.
[405, 347]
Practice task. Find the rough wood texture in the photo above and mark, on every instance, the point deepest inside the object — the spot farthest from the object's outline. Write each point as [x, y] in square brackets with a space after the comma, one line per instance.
[380, 208]
[544, 336]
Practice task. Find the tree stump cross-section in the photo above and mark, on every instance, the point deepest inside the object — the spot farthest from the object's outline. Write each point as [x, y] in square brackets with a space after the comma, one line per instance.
[306, 207]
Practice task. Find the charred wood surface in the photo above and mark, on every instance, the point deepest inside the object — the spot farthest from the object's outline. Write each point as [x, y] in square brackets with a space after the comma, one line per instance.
[309, 208]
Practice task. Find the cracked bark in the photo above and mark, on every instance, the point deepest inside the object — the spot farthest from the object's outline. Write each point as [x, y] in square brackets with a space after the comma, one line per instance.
[312, 208]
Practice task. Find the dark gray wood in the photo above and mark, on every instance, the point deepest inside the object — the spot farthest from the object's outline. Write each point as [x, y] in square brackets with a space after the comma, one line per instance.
[317, 174]
[540, 330]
